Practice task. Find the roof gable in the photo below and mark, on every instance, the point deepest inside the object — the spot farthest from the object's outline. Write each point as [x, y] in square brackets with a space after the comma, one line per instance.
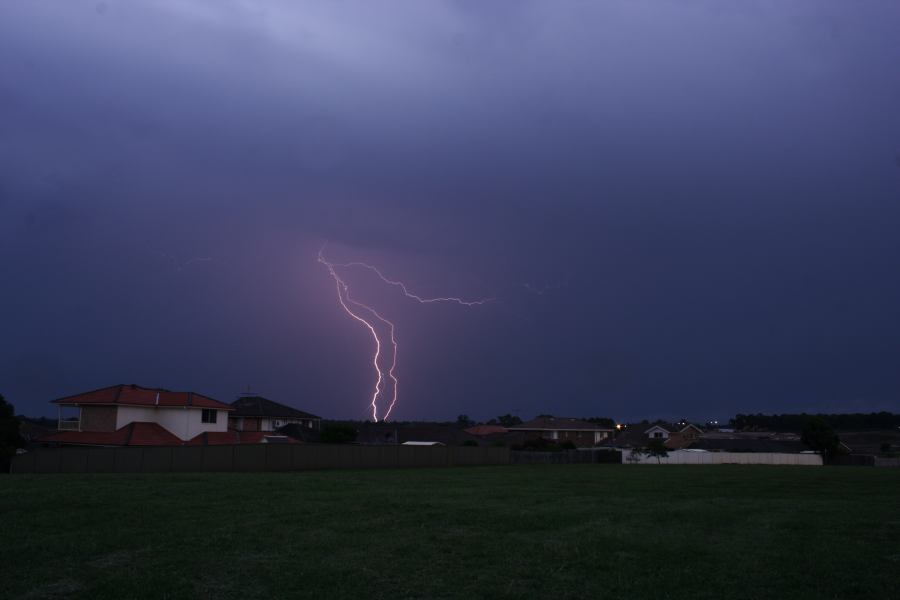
[657, 428]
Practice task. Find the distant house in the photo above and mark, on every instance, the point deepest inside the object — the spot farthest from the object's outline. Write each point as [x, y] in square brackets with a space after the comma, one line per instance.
[255, 413]
[676, 436]
[482, 430]
[130, 415]
[582, 433]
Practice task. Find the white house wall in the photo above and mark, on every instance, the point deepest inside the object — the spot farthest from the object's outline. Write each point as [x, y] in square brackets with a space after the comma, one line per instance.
[184, 423]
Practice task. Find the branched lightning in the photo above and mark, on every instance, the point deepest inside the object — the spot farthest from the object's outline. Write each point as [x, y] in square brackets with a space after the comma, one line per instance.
[345, 300]
[343, 291]
[409, 294]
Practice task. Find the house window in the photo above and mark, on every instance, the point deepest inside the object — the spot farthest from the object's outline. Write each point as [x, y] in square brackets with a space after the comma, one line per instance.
[208, 416]
[657, 434]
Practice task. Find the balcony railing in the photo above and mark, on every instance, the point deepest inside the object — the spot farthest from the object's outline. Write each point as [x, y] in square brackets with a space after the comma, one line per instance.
[69, 425]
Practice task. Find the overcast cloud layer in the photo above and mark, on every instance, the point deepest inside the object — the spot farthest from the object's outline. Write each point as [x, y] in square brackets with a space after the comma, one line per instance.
[682, 208]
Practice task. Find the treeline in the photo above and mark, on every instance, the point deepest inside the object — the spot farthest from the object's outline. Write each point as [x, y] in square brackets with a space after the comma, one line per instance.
[797, 422]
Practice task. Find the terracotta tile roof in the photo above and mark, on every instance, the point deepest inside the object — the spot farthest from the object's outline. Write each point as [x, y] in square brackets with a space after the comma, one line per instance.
[486, 429]
[135, 395]
[137, 433]
[140, 433]
[257, 406]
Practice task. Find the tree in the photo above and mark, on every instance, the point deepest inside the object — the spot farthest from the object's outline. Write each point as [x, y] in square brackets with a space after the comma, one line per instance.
[635, 455]
[508, 420]
[602, 421]
[464, 421]
[818, 435]
[10, 438]
[657, 448]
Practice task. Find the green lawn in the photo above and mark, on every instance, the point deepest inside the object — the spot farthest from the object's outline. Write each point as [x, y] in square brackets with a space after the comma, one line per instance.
[574, 531]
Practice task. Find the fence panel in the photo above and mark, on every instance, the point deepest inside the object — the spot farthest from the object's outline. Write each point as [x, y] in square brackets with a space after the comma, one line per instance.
[129, 459]
[157, 459]
[250, 457]
[102, 460]
[218, 458]
[256, 457]
[73, 461]
[23, 463]
[278, 457]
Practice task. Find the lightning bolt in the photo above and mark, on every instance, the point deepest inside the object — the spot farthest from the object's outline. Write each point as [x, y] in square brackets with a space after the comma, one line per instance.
[345, 300]
[408, 294]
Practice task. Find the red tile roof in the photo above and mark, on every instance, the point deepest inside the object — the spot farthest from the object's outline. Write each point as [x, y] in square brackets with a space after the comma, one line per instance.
[134, 395]
[137, 433]
[558, 423]
[486, 429]
[140, 433]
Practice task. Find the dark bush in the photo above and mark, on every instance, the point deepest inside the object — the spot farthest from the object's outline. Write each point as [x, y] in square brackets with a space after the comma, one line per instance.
[337, 434]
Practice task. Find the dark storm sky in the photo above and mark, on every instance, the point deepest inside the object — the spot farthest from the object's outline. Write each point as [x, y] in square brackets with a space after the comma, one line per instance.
[683, 208]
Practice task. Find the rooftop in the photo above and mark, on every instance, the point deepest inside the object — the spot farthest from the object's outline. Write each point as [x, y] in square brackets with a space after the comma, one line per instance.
[257, 406]
[135, 395]
[136, 433]
[559, 423]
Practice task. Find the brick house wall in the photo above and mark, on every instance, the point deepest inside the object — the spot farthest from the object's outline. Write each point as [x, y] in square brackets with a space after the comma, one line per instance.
[98, 418]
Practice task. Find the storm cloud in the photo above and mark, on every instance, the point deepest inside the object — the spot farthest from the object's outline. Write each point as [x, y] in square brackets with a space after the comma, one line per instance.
[683, 208]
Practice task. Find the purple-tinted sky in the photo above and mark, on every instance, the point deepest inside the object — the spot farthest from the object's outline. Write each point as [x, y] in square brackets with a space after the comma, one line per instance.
[684, 208]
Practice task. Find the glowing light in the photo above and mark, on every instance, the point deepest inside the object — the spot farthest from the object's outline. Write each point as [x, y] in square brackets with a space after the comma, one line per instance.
[416, 297]
[346, 301]
[344, 298]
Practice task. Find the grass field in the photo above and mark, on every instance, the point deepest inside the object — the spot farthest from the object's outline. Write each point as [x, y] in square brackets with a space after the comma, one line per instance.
[574, 531]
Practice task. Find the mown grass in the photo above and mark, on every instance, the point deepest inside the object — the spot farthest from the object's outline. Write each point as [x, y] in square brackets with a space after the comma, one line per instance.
[575, 531]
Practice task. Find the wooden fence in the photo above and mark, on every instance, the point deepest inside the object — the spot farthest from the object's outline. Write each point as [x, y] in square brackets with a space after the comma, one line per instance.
[249, 457]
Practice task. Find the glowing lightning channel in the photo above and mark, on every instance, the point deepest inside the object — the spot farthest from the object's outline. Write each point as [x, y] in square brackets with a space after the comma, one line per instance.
[343, 291]
[344, 297]
[409, 294]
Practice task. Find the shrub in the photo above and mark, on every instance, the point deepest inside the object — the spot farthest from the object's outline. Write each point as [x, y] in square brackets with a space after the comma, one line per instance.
[337, 434]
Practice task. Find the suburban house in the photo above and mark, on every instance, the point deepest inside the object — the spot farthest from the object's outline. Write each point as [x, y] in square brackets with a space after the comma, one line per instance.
[130, 415]
[675, 436]
[679, 435]
[581, 433]
[255, 413]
